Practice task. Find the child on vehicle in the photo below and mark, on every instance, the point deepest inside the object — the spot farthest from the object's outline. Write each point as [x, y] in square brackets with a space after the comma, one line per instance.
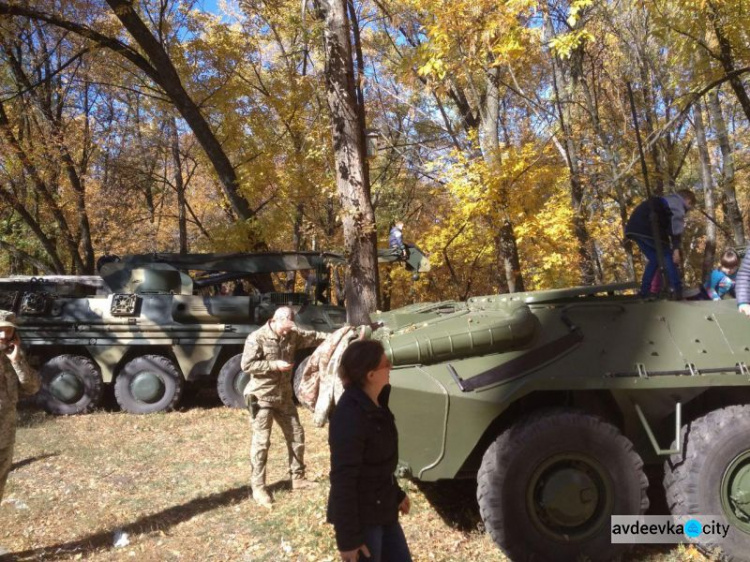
[722, 279]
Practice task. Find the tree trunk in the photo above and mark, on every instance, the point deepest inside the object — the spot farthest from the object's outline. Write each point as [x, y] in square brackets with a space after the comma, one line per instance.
[42, 98]
[649, 127]
[506, 248]
[585, 258]
[729, 196]
[386, 289]
[611, 156]
[505, 242]
[43, 191]
[726, 56]
[352, 183]
[298, 240]
[179, 185]
[22, 258]
[709, 253]
[47, 242]
[564, 86]
[160, 69]
[169, 79]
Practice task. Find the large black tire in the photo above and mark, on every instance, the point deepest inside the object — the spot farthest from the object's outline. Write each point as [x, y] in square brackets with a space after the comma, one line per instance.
[549, 484]
[149, 384]
[231, 383]
[71, 384]
[297, 380]
[711, 476]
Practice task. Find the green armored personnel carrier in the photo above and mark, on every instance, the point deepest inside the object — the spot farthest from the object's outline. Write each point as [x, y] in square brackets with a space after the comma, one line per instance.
[554, 401]
[151, 324]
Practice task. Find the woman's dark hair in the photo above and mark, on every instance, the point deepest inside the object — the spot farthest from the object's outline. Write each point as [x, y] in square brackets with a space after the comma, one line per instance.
[358, 359]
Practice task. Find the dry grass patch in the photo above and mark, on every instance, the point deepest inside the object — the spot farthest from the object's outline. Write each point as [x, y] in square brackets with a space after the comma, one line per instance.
[177, 485]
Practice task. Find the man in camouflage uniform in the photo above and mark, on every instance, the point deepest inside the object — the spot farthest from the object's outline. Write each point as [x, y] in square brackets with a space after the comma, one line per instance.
[15, 376]
[269, 358]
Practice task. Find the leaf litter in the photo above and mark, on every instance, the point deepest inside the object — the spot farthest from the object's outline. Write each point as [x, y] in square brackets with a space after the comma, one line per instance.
[112, 486]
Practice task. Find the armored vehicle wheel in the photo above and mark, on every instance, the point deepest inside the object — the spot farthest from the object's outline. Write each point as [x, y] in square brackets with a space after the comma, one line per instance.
[297, 380]
[232, 382]
[148, 384]
[712, 476]
[71, 384]
[548, 485]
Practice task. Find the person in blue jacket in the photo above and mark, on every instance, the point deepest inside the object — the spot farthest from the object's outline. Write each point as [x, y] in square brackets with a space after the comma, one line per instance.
[721, 280]
[670, 218]
[396, 236]
[365, 499]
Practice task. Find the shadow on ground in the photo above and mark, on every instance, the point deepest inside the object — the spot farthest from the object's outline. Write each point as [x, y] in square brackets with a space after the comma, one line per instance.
[25, 462]
[194, 396]
[203, 397]
[161, 520]
[455, 501]
[30, 415]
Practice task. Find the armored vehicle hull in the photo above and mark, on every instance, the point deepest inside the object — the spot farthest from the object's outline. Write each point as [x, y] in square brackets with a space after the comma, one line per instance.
[149, 329]
[151, 324]
[555, 400]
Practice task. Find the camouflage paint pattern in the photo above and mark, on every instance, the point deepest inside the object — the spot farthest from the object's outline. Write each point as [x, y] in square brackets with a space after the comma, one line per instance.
[141, 306]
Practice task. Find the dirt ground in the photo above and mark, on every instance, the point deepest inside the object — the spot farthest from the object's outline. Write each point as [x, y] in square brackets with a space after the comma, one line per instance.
[176, 487]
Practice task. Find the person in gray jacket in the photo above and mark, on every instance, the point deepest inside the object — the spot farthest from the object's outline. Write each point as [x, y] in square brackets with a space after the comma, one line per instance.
[670, 211]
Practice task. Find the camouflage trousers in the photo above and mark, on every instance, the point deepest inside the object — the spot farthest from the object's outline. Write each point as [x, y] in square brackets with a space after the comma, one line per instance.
[285, 414]
[6, 461]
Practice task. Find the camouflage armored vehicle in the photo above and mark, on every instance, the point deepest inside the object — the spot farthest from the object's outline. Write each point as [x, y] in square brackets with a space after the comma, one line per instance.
[152, 323]
[554, 401]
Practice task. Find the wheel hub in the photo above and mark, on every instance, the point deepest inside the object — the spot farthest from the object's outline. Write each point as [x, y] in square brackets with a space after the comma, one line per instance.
[67, 387]
[735, 497]
[568, 496]
[147, 387]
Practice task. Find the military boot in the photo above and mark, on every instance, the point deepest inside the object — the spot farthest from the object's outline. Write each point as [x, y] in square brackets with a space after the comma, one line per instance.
[263, 498]
[303, 484]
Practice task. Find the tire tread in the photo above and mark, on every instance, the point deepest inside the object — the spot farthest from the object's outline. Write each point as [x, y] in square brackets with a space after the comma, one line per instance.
[168, 367]
[501, 453]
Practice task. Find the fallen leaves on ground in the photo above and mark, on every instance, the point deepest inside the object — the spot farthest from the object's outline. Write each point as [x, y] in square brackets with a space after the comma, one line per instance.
[114, 486]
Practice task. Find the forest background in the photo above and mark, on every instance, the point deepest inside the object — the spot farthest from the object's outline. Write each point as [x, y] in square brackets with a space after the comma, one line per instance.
[501, 132]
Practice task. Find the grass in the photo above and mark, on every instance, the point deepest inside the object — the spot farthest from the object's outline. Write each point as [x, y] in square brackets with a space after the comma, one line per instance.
[178, 485]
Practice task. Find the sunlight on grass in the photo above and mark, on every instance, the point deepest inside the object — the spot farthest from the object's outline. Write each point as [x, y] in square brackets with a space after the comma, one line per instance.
[178, 485]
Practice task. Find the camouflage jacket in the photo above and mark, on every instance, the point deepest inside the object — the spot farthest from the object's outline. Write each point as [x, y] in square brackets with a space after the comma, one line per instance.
[16, 377]
[263, 352]
[315, 370]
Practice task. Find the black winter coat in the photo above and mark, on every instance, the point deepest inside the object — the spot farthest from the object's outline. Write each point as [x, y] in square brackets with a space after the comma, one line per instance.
[364, 454]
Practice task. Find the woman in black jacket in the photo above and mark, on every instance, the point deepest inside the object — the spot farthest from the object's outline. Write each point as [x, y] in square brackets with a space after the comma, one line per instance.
[365, 499]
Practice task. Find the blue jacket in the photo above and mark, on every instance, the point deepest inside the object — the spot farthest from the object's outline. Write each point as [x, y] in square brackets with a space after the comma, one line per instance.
[719, 284]
[395, 238]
